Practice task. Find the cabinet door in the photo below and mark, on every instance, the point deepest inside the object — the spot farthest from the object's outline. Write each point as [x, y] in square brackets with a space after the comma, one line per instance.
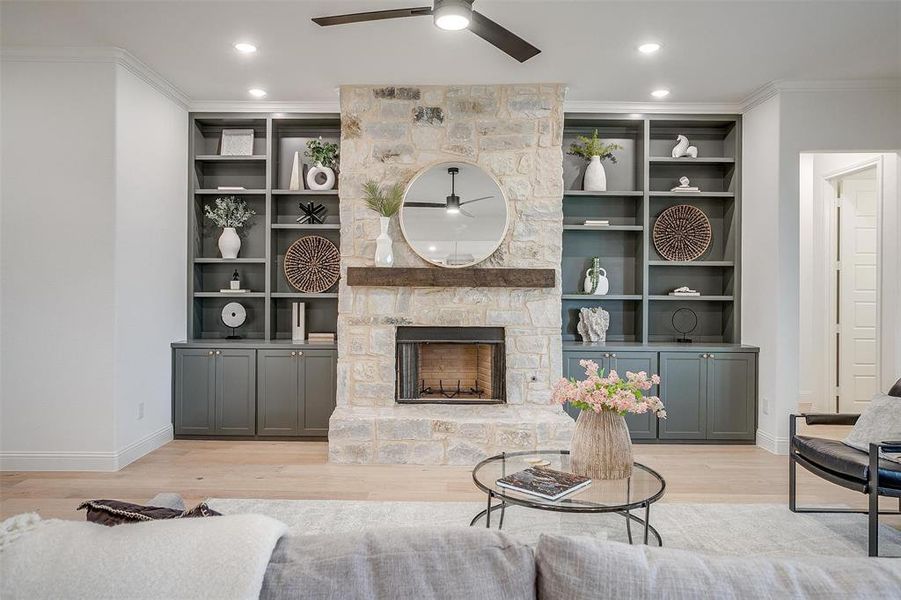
[318, 386]
[683, 389]
[641, 427]
[235, 391]
[572, 368]
[278, 395]
[732, 396]
[195, 392]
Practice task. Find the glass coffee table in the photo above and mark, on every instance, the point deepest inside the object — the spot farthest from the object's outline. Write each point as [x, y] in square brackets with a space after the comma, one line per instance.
[620, 496]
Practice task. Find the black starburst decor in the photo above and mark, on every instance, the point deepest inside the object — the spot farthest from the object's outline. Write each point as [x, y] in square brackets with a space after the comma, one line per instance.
[312, 214]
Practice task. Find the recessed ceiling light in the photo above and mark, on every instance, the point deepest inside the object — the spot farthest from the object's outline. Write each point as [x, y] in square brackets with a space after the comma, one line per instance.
[660, 93]
[452, 15]
[245, 48]
[256, 92]
[649, 48]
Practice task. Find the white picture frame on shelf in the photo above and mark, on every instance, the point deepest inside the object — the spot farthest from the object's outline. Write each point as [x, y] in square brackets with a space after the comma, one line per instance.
[236, 142]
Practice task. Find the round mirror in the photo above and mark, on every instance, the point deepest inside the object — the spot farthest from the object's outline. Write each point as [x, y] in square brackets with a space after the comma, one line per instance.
[454, 214]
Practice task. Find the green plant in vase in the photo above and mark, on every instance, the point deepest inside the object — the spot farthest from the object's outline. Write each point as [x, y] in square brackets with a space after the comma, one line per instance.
[386, 203]
[325, 159]
[594, 151]
[230, 213]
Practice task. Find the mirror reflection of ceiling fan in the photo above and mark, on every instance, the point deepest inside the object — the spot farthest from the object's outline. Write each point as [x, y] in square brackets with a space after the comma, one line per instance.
[451, 15]
[452, 204]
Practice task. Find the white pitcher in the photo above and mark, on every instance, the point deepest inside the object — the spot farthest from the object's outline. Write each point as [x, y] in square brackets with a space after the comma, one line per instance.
[603, 284]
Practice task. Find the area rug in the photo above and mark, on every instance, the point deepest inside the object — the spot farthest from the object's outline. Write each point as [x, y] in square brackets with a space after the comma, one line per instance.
[735, 529]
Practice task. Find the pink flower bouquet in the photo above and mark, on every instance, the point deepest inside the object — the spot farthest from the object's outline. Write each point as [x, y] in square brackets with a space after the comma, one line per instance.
[599, 393]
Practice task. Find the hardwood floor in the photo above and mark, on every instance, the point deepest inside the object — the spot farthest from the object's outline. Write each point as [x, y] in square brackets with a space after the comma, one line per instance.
[201, 469]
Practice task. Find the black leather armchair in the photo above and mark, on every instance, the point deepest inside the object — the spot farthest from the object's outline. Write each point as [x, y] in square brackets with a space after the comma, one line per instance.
[848, 467]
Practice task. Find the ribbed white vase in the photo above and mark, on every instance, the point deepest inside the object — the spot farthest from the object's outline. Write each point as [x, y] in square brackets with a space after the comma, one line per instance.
[595, 176]
[229, 242]
[384, 248]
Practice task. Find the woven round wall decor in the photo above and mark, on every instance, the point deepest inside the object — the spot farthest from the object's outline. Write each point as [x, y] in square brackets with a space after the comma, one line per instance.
[682, 233]
[312, 264]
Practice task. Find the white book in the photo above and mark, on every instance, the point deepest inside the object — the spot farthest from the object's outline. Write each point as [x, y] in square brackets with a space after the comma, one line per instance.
[685, 293]
[687, 190]
[298, 321]
[597, 222]
[231, 291]
[227, 188]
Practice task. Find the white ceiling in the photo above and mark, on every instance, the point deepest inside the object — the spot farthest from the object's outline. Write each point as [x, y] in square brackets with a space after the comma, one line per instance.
[713, 51]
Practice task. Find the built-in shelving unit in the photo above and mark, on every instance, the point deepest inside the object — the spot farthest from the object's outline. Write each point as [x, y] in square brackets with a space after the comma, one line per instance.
[264, 178]
[639, 187]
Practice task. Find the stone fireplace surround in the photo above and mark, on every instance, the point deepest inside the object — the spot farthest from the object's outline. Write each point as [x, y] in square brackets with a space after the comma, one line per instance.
[390, 133]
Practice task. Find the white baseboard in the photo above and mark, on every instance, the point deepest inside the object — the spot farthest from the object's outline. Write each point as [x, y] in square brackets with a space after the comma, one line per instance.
[85, 461]
[771, 443]
[144, 446]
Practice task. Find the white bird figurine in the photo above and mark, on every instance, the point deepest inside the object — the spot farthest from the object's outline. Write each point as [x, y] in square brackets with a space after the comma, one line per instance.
[683, 149]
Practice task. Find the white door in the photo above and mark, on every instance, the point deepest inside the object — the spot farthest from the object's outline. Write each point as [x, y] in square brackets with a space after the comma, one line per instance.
[858, 290]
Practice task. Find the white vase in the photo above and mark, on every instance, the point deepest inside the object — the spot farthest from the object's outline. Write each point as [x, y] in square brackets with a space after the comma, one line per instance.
[595, 176]
[384, 252]
[326, 184]
[229, 242]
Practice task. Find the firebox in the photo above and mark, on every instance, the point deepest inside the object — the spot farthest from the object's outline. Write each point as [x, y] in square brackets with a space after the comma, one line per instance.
[450, 365]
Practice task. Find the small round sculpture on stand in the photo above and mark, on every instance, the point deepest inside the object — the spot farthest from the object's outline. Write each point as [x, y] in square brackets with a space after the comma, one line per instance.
[233, 316]
[684, 321]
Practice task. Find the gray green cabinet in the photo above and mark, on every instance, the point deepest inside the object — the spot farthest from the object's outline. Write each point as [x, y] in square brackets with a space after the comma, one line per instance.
[214, 391]
[709, 394]
[295, 392]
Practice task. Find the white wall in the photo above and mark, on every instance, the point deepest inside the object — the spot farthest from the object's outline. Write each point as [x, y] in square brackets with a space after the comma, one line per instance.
[846, 120]
[760, 251]
[56, 278]
[150, 254]
[92, 159]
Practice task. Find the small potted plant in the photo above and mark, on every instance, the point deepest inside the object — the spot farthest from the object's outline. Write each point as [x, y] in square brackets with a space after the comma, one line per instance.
[324, 156]
[386, 203]
[594, 151]
[601, 448]
[230, 213]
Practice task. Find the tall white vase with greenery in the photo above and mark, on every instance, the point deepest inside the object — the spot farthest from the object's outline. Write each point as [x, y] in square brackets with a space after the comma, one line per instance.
[594, 151]
[229, 213]
[386, 203]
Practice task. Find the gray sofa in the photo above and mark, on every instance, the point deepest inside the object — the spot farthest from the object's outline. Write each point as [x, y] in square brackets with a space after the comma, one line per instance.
[480, 564]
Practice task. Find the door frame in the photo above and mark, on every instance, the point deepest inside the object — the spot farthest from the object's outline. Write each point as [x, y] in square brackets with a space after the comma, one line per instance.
[831, 192]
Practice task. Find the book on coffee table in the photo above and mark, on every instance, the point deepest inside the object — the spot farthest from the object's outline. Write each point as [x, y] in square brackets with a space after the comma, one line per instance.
[544, 483]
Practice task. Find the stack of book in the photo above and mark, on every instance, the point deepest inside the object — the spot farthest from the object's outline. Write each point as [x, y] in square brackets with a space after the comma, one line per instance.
[321, 338]
[231, 291]
[597, 222]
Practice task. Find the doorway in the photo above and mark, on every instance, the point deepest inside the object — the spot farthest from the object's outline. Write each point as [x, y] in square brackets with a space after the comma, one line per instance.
[849, 312]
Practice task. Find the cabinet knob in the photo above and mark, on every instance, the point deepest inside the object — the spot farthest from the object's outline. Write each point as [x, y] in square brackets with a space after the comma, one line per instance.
[294, 354]
[211, 352]
[703, 356]
[613, 355]
[711, 356]
[218, 352]
[300, 354]
[606, 355]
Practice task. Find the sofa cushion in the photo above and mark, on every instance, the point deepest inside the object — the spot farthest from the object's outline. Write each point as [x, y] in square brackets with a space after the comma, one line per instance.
[465, 563]
[879, 422]
[573, 568]
[841, 459]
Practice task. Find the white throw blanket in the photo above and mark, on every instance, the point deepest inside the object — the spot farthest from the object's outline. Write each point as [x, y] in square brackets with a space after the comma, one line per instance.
[214, 557]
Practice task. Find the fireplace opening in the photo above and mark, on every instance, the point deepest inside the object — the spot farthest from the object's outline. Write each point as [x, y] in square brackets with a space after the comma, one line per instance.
[450, 365]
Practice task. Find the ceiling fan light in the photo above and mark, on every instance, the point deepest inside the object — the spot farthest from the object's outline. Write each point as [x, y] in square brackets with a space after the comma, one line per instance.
[451, 210]
[452, 15]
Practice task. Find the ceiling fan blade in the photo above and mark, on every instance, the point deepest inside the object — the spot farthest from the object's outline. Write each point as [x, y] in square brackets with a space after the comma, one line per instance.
[503, 39]
[424, 205]
[476, 200]
[466, 213]
[377, 15]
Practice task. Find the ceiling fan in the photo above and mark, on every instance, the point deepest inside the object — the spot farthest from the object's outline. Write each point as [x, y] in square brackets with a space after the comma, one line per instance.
[451, 15]
[452, 205]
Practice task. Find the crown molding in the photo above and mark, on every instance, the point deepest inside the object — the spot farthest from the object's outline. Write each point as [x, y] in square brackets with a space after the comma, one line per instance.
[589, 106]
[107, 55]
[773, 88]
[265, 106]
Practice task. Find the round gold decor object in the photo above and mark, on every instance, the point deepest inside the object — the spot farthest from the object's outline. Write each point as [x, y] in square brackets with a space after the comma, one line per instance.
[312, 264]
[682, 233]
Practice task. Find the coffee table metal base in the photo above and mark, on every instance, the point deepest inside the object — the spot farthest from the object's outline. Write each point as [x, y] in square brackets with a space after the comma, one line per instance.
[645, 522]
